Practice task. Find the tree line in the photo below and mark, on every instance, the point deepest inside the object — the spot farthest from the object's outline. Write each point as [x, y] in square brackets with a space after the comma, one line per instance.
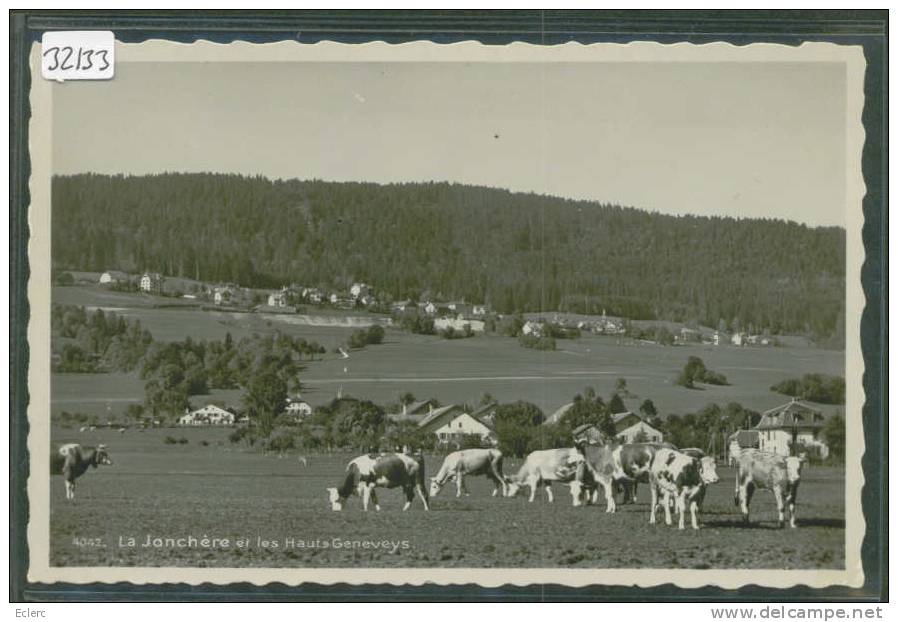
[517, 252]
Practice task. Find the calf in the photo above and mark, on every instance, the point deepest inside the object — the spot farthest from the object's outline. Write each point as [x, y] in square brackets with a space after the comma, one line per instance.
[681, 477]
[597, 469]
[486, 462]
[367, 472]
[779, 474]
[72, 461]
[546, 466]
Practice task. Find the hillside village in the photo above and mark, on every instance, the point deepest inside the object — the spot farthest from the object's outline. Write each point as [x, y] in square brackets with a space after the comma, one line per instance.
[450, 317]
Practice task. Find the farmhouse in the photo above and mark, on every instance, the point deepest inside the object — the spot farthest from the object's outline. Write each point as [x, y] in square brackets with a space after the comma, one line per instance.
[112, 277]
[451, 424]
[630, 428]
[152, 282]
[209, 414]
[783, 430]
[313, 295]
[222, 295]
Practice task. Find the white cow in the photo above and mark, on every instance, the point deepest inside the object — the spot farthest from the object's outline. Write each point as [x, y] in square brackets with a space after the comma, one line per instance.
[72, 461]
[546, 466]
[486, 462]
[779, 474]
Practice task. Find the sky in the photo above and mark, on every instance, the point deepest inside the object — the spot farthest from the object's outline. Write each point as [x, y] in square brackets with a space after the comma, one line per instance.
[756, 140]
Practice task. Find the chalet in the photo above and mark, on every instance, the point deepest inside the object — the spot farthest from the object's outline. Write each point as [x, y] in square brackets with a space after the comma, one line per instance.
[783, 430]
[738, 339]
[431, 308]
[480, 310]
[209, 414]
[631, 428]
[589, 433]
[451, 424]
[152, 283]
[112, 277]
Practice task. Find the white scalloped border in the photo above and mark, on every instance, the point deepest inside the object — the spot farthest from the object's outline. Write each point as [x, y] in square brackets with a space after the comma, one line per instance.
[40, 141]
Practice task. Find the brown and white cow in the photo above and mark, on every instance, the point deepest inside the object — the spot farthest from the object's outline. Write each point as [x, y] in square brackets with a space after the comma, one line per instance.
[545, 466]
[458, 464]
[597, 470]
[778, 474]
[632, 462]
[365, 473]
[72, 461]
[680, 477]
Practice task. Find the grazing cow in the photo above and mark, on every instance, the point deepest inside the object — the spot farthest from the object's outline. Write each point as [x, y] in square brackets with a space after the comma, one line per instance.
[72, 460]
[486, 462]
[779, 474]
[683, 478]
[597, 469]
[303, 461]
[367, 472]
[546, 466]
[632, 462]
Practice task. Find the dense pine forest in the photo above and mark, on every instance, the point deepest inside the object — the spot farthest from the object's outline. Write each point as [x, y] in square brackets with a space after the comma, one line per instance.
[516, 252]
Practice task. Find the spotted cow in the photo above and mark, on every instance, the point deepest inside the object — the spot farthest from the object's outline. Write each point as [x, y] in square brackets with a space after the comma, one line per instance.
[365, 473]
[632, 462]
[597, 469]
[678, 476]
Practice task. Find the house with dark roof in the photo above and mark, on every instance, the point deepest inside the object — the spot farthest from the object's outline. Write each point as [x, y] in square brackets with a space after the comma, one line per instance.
[784, 429]
[451, 424]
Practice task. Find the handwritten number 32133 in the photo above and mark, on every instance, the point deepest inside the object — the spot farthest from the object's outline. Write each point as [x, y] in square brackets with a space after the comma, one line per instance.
[65, 58]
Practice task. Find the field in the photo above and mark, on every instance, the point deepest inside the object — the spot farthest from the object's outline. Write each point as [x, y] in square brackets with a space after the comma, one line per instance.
[457, 371]
[216, 491]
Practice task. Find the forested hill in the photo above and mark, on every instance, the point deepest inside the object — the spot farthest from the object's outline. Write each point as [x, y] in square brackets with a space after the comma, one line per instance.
[517, 252]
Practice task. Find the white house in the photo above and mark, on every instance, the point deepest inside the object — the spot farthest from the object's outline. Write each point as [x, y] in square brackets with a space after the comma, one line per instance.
[451, 424]
[210, 414]
[787, 428]
[222, 295]
[151, 282]
[480, 309]
[313, 295]
[430, 308]
[738, 339]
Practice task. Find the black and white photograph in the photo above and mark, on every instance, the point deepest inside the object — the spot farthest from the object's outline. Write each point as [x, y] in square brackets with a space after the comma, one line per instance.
[443, 312]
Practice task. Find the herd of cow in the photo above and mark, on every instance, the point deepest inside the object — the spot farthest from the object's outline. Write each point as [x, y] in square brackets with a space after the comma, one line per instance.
[677, 478]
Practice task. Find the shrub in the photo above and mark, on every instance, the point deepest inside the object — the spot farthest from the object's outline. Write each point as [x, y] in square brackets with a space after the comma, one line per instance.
[182, 441]
[170, 440]
[695, 371]
[815, 388]
[280, 443]
[537, 343]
